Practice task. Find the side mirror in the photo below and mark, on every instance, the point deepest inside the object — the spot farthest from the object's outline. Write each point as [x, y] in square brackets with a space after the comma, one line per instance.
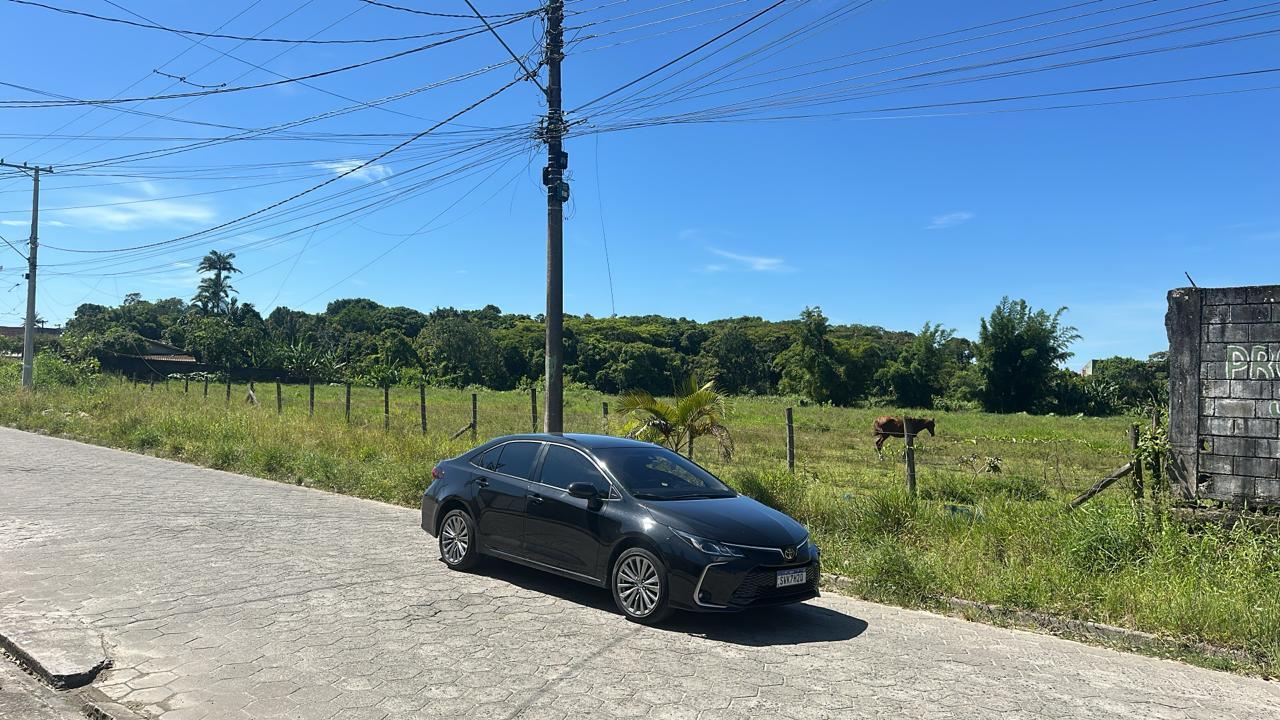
[584, 490]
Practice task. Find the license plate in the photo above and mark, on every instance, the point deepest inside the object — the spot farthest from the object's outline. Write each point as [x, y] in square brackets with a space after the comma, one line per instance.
[787, 578]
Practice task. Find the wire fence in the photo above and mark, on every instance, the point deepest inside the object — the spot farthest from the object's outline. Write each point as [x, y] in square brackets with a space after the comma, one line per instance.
[809, 446]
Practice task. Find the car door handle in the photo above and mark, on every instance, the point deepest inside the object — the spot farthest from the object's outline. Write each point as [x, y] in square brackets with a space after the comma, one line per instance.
[536, 498]
[482, 482]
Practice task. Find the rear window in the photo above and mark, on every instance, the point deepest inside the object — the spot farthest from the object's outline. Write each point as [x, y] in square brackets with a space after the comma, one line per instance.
[656, 473]
[514, 458]
[517, 459]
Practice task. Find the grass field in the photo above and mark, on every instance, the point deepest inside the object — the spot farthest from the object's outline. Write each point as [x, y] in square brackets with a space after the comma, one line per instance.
[999, 537]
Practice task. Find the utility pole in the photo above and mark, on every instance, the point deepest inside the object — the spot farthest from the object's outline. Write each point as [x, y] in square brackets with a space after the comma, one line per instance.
[29, 329]
[557, 194]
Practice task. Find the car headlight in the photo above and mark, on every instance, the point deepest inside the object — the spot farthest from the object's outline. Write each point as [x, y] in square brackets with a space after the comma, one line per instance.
[710, 547]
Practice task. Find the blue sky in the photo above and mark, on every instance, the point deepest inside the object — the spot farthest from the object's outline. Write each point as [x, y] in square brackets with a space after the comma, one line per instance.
[889, 217]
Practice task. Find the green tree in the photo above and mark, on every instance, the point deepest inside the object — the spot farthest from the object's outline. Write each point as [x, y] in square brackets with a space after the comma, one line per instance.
[696, 411]
[919, 374]
[1019, 353]
[809, 367]
[1137, 383]
[213, 296]
[459, 352]
[735, 360]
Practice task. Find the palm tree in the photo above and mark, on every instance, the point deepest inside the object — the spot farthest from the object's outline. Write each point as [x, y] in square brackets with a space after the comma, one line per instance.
[214, 293]
[696, 411]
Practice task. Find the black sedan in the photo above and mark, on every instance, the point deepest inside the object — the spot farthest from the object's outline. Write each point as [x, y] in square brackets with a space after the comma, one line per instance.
[652, 526]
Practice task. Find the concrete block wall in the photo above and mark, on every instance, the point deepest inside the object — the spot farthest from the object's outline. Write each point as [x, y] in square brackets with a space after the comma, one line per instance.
[1224, 349]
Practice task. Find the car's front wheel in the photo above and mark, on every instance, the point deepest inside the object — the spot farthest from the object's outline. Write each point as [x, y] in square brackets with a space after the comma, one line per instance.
[458, 540]
[639, 585]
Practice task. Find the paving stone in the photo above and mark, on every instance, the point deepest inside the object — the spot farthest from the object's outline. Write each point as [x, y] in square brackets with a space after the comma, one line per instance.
[227, 597]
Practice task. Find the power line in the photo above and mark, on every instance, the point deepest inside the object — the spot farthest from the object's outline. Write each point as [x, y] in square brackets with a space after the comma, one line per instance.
[135, 83]
[792, 98]
[314, 188]
[528, 75]
[678, 58]
[440, 14]
[257, 86]
[11, 247]
[242, 38]
[604, 236]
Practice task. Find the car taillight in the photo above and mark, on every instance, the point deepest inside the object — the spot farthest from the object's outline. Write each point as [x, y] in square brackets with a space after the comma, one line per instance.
[436, 473]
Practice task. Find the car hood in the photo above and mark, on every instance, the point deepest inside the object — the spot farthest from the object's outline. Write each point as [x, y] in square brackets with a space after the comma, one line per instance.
[738, 520]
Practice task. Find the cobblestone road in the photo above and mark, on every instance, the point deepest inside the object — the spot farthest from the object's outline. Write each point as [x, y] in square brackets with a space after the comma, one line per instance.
[222, 596]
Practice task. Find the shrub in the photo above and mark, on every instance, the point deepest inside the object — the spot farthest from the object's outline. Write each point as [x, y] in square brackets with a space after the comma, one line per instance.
[888, 513]
[891, 574]
[1104, 539]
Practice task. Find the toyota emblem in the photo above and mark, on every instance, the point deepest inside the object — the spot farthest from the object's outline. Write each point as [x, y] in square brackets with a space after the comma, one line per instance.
[788, 553]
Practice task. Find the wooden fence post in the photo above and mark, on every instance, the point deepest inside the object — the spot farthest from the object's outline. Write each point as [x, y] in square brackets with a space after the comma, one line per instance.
[206, 387]
[348, 407]
[186, 385]
[909, 435]
[604, 412]
[279, 398]
[473, 417]
[228, 388]
[311, 397]
[422, 407]
[1135, 480]
[533, 408]
[386, 408]
[1157, 476]
[166, 383]
[151, 383]
[791, 442]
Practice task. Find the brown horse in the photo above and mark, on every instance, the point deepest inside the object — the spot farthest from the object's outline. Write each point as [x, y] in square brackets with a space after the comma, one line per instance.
[887, 426]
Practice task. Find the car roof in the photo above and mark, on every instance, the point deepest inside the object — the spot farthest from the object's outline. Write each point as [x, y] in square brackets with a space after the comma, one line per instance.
[581, 440]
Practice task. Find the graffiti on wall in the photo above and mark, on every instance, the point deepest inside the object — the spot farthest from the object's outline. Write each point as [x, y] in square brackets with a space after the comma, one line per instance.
[1256, 362]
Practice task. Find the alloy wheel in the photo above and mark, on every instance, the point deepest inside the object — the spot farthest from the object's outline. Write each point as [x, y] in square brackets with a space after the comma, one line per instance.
[455, 539]
[638, 585]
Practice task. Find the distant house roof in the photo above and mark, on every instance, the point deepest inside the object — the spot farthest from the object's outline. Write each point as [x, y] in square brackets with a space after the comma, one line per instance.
[16, 331]
[155, 347]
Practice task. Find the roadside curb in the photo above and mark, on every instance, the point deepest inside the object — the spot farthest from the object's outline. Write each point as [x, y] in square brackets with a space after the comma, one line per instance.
[97, 706]
[1069, 628]
[51, 674]
[93, 703]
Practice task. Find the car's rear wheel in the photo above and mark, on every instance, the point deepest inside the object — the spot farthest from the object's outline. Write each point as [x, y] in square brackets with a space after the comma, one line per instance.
[639, 583]
[458, 540]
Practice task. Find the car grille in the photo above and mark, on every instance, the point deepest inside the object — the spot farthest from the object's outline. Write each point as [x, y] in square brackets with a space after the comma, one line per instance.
[761, 585]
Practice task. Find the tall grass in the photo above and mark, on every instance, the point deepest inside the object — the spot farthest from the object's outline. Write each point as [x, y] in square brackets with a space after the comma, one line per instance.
[989, 524]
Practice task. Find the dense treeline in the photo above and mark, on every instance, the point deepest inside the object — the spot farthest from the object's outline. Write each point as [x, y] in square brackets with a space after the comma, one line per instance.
[1015, 365]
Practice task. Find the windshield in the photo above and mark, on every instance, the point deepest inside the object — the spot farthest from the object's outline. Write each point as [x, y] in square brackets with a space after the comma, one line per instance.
[656, 473]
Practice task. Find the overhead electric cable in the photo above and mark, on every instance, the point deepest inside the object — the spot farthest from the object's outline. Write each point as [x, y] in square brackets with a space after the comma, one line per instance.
[256, 86]
[242, 38]
[314, 188]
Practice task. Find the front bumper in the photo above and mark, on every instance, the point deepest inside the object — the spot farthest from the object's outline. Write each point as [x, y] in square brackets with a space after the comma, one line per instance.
[704, 583]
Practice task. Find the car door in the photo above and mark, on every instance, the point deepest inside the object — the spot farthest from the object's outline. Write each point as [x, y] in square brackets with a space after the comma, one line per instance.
[563, 531]
[502, 477]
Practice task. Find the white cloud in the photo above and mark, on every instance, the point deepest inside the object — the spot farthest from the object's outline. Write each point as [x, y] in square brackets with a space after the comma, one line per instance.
[754, 263]
[27, 223]
[942, 222]
[139, 214]
[369, 173]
